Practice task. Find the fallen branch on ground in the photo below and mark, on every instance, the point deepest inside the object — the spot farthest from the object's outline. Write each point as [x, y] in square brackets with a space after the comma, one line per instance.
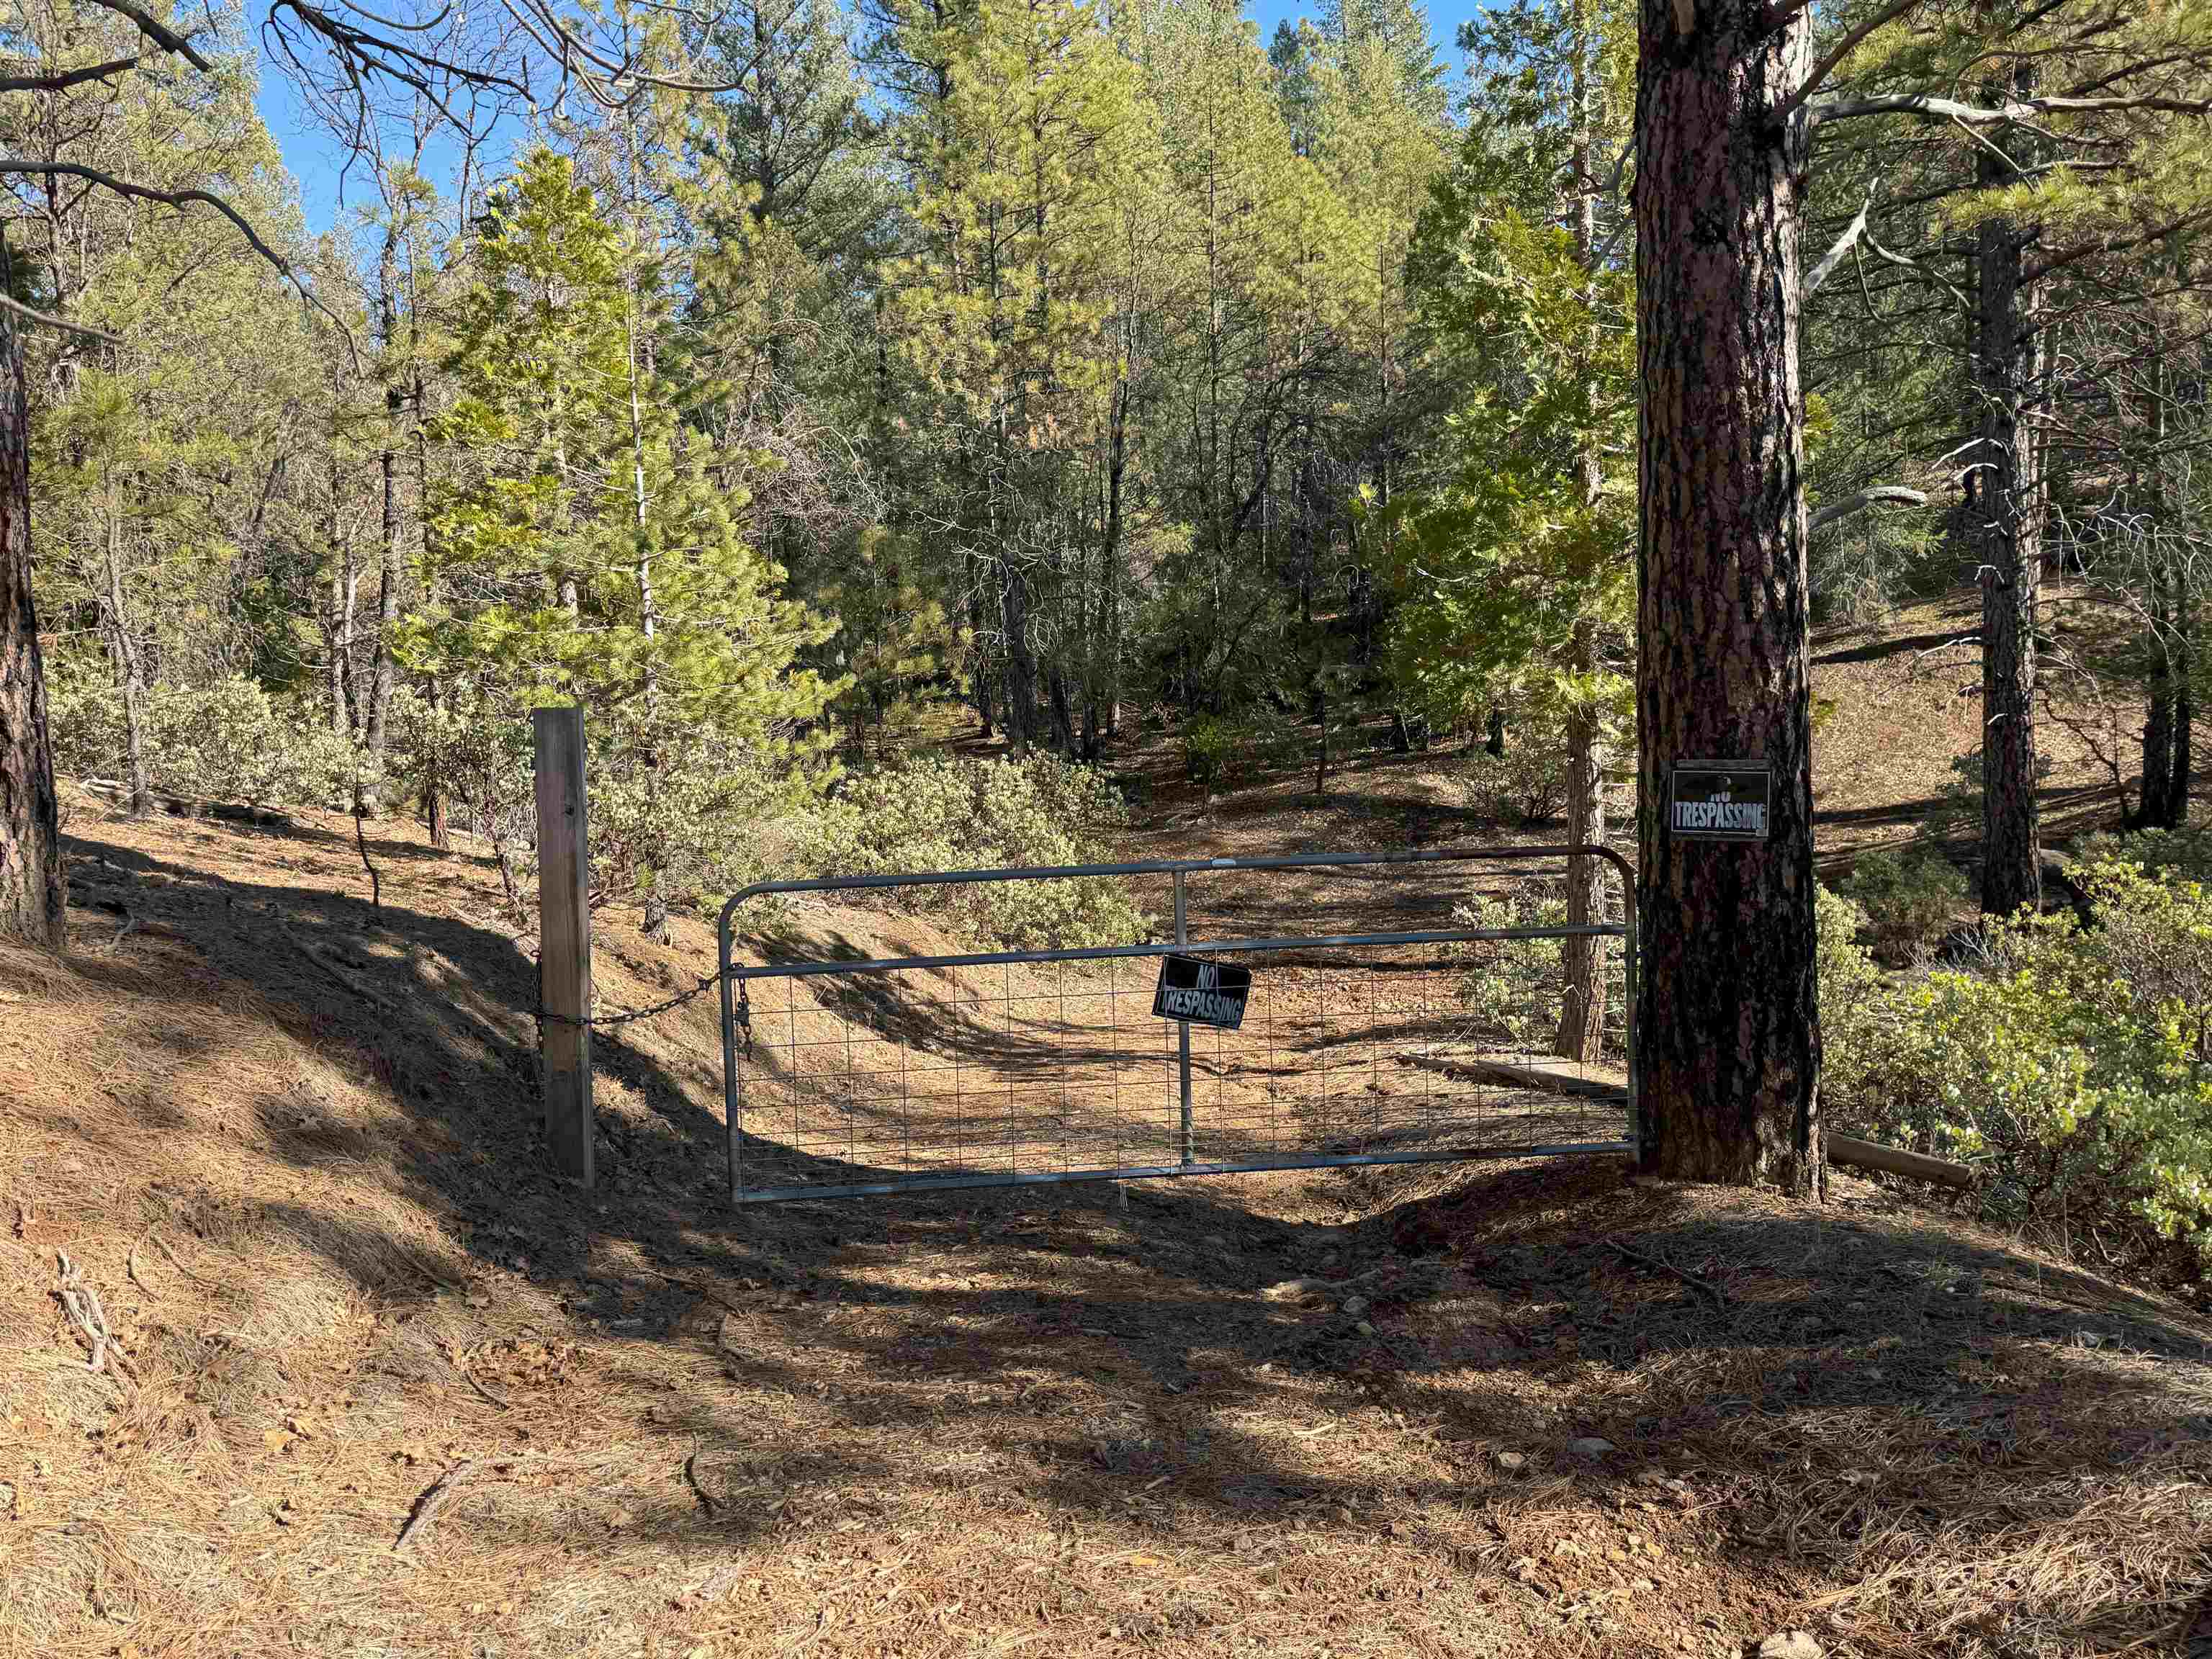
[82, 1304]
[1660, 1264]
[1895, 1160]
[434, 1498]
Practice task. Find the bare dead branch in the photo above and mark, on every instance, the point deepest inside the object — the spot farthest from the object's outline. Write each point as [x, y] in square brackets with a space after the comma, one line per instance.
[1841, 50]
[18, 308]
[26, 76]
[1865, 499]
[432, 1500]
[1834, 256]
[23, 164]
[1978, 115]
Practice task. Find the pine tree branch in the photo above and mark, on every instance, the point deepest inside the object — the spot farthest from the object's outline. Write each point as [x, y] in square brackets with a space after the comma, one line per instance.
[18, 308]
[2060, 261]
[1904, 263]
[1865, 499]
[1978, 115]
[27, 78]
[1852, 232]
[1841, 50]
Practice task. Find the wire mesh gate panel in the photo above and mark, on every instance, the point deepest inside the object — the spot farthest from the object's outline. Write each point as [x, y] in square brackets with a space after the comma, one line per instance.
[850, 1077]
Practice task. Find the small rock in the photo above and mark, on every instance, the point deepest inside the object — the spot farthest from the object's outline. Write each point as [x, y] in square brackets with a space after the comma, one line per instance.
[1288, 1289]
[1512, 1463]
[1591, 1447]
[1365, 1328]
[1789, 1644]
[1354, 1306]
[1643, 1584]
[1214, 1242]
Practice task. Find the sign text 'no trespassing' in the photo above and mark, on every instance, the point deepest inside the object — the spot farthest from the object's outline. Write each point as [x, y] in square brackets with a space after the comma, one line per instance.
[1203, 993]
[1721, 801]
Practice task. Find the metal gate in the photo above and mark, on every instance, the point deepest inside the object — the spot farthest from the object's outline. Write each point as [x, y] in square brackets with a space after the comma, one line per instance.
[995, 1068]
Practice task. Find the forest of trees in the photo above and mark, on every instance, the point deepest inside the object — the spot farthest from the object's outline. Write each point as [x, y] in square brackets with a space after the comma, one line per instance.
[761, 374]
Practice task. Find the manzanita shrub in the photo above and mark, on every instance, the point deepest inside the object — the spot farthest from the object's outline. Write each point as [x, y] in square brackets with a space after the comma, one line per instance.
[954, 812]
[2071, 1064]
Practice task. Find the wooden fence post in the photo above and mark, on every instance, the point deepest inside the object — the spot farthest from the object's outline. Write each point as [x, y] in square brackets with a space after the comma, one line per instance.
[564, 939]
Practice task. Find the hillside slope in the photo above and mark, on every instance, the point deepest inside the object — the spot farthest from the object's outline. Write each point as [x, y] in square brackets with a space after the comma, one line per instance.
[290, 1144]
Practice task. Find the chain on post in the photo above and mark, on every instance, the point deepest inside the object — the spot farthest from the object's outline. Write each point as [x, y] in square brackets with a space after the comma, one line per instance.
[690, 993]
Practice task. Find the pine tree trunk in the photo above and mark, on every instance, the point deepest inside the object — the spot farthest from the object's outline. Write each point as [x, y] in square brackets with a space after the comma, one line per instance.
[129, 670]
[434, 788]
[2183, 705]
[1581, 1035]
[2152, 811]
[340, 642]
[1726, 1021]
[1020, 712]
[2007, 365]
[32, 881]
[1063, 724]
[393, 546]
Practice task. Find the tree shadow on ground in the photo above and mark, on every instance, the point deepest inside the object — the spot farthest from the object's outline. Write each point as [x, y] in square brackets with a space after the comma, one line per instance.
[983, 1354]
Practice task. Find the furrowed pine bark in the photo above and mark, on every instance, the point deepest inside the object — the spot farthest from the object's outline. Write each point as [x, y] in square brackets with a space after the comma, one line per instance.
[1727, 1019]
[2008, 371]
[31, 874]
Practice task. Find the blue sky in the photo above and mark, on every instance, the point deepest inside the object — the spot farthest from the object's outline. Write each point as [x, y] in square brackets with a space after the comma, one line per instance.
[315, 159]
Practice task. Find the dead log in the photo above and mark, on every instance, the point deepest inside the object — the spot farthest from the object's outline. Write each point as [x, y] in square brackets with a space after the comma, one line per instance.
[1895, 1160]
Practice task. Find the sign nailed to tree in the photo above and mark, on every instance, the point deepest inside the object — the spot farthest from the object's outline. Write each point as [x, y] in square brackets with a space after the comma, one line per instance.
[1204, 993]
[1721, 801]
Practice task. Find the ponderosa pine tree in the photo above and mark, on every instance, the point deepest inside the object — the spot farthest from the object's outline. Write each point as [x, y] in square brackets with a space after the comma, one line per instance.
[1518, 580]
[2042, 142]
[564, 529]
[1727, 1019]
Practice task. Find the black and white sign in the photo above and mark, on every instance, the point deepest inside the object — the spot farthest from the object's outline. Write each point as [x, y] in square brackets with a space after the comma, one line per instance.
[1721, 801]
[1203, 993]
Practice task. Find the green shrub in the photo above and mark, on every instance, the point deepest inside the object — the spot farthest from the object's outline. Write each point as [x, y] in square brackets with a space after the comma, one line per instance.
[1218, 751]
[2186, 851]
[1853, 989]
[1528, 783]
[2073, 1066]
[1911, 899]
[1512, 987]
[946, 813]
[225, 741]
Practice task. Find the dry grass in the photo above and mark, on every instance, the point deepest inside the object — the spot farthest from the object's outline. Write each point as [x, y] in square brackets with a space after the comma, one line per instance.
[351, 1294]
